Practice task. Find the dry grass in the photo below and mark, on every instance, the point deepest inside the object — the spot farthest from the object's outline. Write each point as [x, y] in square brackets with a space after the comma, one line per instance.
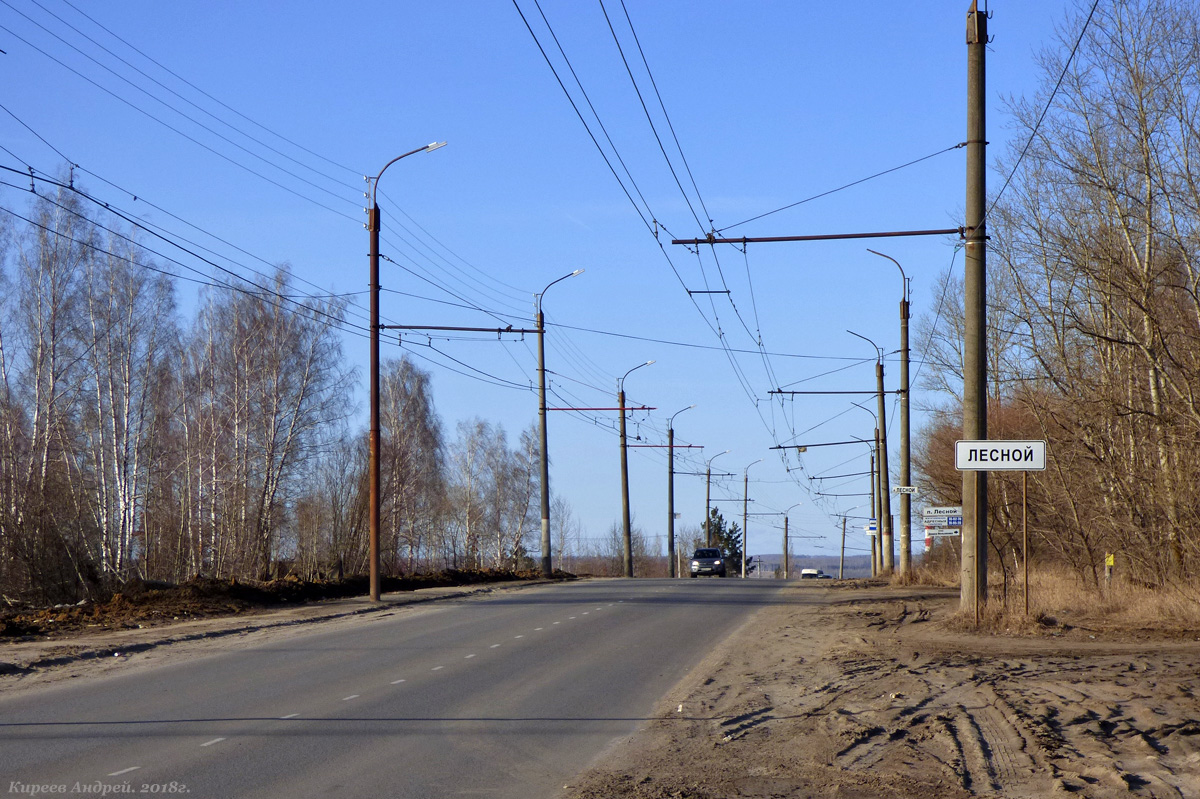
[1059, 602]
[943, 574]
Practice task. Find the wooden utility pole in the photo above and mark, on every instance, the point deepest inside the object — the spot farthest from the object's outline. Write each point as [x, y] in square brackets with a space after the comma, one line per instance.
[973, 594]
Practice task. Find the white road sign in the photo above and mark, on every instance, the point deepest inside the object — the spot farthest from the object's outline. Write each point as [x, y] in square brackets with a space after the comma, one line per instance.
[949, 510]
[912, 490]
[1000, 456]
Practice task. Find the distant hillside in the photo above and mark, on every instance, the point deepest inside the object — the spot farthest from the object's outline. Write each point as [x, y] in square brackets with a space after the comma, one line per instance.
[855, 566]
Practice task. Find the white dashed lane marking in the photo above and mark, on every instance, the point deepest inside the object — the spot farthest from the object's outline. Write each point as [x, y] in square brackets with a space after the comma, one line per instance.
[397, 682]
[213, 741]
[124, 771]
[493, 646]
[518, 636]
[468, 657]
[348, 698]
[289, 716]
[437, 668]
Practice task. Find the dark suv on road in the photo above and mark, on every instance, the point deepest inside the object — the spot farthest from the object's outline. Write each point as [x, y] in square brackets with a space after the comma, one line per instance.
[708, 560]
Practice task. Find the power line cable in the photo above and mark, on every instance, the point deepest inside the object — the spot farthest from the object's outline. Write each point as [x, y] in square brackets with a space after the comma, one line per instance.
[163, 86]
[842, 188]
[206, 94]
[190, 138]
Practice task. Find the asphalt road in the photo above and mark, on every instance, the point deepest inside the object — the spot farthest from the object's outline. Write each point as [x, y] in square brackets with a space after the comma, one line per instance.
[505, 696]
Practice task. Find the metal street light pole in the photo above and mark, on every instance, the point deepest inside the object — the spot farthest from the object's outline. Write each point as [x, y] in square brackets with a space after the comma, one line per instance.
[885, 511]
[745, 503]
[708, 497]
[671, 490]
[905, 472]
[373, 446]
[547, 561]
[628, 536]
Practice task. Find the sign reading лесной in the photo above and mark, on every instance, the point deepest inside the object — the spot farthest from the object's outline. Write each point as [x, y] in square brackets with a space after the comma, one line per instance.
[1000, 456]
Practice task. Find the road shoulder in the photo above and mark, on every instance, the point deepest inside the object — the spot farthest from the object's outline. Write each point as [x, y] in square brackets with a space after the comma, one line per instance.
[865, 693]
[30, 664]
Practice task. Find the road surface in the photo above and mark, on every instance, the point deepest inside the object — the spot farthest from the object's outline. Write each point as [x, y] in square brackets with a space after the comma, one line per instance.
[505, 696]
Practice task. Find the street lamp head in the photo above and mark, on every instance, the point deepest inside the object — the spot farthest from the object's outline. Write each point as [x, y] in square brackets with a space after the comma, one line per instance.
[714, 457]
[538, 297]
[621, 380]
[868, 410]
[671, 421]
[375, 181]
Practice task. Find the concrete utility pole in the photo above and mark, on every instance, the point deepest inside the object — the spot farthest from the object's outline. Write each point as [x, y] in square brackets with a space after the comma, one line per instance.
[973, 594]
[787, 555]
[842, 558]
[374, 434]
[874, 504]
[745, 515]
[671, 489]
[785, 547]
[887, 537]
[905, 471]
[547, 559]
[884, 524]
[628, 535]
[708, 497]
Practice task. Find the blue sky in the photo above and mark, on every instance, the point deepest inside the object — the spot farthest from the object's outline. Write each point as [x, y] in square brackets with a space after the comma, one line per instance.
[771, 103]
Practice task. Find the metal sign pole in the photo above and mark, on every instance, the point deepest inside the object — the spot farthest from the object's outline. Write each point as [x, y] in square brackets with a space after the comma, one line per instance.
[1025, 532]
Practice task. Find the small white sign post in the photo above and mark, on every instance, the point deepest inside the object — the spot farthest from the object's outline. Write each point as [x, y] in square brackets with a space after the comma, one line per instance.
[1005, 456]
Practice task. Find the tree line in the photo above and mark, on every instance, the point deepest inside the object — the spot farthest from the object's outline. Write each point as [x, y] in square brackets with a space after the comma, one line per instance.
[135, 442]
[1093, 305]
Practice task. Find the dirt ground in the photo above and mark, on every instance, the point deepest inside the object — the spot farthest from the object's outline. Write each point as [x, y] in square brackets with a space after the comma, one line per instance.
[871, 694]
[139, 605]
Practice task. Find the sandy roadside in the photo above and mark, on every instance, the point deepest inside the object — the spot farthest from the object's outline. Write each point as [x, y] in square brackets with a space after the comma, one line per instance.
[867, 695]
